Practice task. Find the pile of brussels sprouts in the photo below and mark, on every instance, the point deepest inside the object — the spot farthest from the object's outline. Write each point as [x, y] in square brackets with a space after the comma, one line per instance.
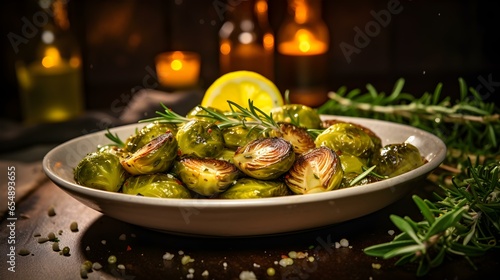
[203, 156]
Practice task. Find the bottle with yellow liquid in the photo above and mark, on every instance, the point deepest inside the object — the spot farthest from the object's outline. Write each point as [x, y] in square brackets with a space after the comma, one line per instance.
[246, 39]
[50, 71]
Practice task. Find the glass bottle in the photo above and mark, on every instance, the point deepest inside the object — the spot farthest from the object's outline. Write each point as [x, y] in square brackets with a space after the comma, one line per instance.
[246, 39]
[302, 44]
[49, 70]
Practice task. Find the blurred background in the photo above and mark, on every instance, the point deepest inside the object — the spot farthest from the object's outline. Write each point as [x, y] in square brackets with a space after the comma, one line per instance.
[367, 41]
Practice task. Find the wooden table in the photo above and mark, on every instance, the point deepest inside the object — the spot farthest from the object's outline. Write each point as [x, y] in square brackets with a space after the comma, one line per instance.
[140, 252]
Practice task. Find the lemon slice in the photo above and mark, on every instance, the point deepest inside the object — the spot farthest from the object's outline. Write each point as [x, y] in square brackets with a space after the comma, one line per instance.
[239, 87]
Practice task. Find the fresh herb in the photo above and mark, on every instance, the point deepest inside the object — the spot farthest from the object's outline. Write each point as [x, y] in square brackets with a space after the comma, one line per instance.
[251, 117]
[468, 126]
[115, 138]
[464, 222]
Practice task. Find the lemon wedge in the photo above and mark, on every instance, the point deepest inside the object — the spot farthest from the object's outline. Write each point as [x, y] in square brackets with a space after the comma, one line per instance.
[239, 87]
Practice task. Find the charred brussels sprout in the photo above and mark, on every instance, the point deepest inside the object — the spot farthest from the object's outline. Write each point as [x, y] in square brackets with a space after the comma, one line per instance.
[318, 170]
[155, 185]
[266, 158]
[297, 114]
[237, 136]
[255, 188]
[146, 134]
[206, 176]
[156, 156]
[396, 159]
[200, 139]
[100, 170]
[346, 138]
[297, 136]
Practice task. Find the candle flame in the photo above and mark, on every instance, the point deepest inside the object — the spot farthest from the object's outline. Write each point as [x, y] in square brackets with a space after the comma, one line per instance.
[52, 57]
[304, 38]
[176, 65]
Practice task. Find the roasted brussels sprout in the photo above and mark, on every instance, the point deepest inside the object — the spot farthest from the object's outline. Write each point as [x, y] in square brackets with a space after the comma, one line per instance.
[352, 164]
[156, 156]
[227, 155]
[255, 188]
[297, 114]
[237, 136]
[375, 138]
[200, 139]
[396, 159]
[206, 176]
[146, 134]
[297, 136]
[265, 158]
[100, 170]
[318, 170]
[346, 138]
[199, 114]
[156, 185]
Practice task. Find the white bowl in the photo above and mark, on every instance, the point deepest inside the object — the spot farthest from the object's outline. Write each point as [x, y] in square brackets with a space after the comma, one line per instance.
[245, 217]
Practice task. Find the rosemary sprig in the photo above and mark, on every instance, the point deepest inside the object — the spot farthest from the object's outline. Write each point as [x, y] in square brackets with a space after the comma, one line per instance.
[469, 126]
[115, 139]
[465, 222]
[251, 117]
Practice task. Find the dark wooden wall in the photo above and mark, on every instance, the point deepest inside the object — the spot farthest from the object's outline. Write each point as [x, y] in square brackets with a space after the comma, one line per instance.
[426, 42]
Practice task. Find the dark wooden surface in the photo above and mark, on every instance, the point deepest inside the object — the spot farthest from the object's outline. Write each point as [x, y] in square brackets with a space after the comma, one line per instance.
[141, 251]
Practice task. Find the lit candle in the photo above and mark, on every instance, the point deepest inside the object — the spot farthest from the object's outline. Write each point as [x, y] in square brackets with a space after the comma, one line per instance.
[178, 69]
[303, 43]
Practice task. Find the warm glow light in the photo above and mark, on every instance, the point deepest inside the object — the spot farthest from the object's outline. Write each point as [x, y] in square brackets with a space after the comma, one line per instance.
[261, 7]
[225, 48]
[304, 43]
[176, 65]
[178, 69]
[52, 58]
[74, 62]
[301, 12]
[304, 38]
[268, 41]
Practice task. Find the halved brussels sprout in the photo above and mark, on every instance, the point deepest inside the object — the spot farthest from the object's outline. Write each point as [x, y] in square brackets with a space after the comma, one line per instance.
[298, 114]
[155, 185]
[318, 170]
[100, 170]
[237, 136]
[265, 158]
[346, 138]
[156, 156]
[255, 188]
[297, 136]
[146, 134]
[200, 139]
[206, 176]
[396, 159]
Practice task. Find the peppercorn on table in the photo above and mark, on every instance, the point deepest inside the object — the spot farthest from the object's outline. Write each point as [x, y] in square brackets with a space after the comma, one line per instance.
[53, 236]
